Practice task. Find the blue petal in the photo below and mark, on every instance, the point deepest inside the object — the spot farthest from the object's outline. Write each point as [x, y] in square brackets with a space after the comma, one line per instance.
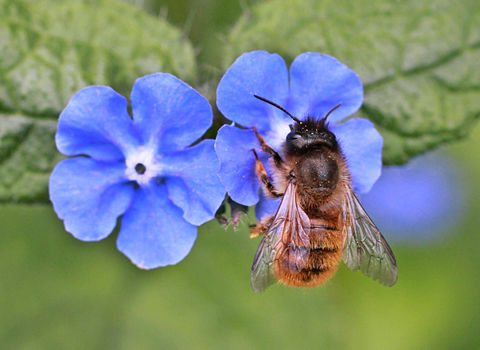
[194, 184]
[96, 123]
[168, 112]
[419, 200]
[362, 145]
[89, 196]
[266, 206]
[318, 83]
[252, 73]
[153, 231]
[237, 163]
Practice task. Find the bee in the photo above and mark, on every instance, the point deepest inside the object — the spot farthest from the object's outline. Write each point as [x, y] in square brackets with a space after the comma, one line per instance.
[319, 220]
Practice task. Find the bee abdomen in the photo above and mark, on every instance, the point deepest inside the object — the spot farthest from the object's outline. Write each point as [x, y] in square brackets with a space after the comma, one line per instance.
[307, 266]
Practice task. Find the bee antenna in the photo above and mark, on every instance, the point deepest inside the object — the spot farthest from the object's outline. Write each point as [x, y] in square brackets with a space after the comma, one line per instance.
[281, 108]
[331, 110]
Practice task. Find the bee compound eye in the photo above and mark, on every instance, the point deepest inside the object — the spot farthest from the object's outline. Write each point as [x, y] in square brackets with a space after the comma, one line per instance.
[293, 135]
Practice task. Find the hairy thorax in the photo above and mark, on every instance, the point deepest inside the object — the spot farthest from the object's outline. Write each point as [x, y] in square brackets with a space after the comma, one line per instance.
[322, 178]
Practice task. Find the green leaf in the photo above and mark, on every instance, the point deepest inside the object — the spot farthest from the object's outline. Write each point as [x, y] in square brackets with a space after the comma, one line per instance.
[27, 156]
[51, 49]
[418, 60]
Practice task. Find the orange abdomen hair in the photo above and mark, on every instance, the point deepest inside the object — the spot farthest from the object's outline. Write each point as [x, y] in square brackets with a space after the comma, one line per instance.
[324, 255]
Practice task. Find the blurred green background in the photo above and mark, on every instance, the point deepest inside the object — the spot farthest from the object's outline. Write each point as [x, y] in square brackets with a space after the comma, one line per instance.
[60, 293]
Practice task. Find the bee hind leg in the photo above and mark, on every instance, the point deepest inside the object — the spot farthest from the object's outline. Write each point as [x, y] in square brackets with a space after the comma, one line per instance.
[263, 176]
[260, 228]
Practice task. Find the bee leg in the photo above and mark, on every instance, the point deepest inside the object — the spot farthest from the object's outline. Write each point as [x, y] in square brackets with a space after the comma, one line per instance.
[260, 228]
[269, 150]
[263, 176]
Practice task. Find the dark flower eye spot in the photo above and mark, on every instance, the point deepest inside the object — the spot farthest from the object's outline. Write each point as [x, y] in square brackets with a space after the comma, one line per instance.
[140, 168]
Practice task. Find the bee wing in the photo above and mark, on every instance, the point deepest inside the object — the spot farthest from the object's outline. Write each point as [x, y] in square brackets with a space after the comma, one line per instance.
[290, 229]
[366, 249]
[262, 275]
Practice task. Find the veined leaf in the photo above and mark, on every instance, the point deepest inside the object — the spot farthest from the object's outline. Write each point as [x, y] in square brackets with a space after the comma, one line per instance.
[51, 49]
[418, 60]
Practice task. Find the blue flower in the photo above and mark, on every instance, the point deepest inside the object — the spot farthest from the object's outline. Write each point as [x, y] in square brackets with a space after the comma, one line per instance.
[141, 168]
[417, 201]
[316, 84]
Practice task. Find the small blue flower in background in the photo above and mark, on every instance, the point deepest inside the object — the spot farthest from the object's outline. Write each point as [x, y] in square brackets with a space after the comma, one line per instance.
[141, 168]
[417, 201]
[316, 83]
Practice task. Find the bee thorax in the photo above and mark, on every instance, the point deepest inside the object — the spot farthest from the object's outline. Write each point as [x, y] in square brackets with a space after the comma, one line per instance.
[319, 172]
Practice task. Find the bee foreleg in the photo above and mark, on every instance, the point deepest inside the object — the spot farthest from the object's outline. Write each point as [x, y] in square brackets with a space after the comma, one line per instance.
[263, 176]
[269, 150]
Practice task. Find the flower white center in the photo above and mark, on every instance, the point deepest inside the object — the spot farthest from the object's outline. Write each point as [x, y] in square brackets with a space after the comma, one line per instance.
[278, 134]
[142, 165]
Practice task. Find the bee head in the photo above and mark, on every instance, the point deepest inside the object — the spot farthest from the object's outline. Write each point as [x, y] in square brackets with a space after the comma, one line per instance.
[311, 134]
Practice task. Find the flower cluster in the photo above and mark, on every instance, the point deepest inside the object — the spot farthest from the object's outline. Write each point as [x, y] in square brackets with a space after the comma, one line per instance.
[145, 168]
